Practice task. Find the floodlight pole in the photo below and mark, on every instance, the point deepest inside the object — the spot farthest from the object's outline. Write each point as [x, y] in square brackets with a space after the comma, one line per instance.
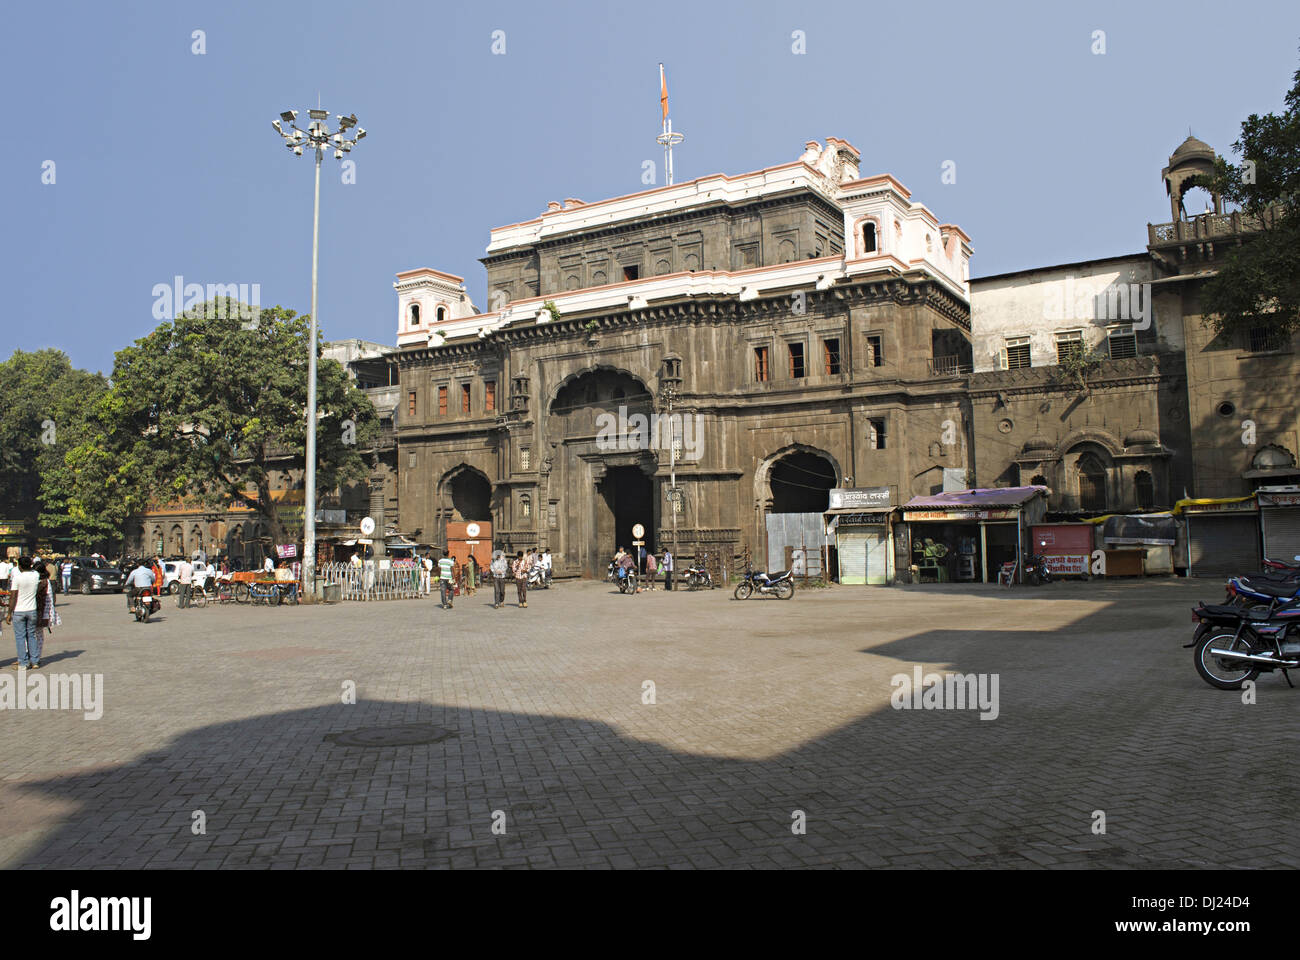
[318, 137]
[309, 495]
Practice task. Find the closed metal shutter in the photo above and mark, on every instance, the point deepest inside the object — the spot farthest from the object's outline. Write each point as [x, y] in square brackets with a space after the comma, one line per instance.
[1224, 546]
[853, 556]
[1281, 528]
[877, 558]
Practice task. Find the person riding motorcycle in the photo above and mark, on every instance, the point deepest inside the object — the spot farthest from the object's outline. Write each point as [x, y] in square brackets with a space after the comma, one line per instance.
[141, 578]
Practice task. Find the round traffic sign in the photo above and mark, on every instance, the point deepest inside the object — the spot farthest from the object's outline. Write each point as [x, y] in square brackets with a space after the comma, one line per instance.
[367, 526]
[472, 530]
[638, 531]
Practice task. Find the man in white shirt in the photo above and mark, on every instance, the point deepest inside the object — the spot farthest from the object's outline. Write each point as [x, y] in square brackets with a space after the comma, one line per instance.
[22, 608]
[268, 566]
[185, 574]
[6, 568]
[546, 565]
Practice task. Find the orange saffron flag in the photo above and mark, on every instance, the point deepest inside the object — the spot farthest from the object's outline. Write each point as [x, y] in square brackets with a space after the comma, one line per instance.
[663, 92]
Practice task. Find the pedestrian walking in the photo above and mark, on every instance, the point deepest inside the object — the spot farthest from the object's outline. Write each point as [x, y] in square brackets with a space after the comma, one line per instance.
[65, 573]
[521, 578]
[185, 573]
[471, 575]
[48, 614]
[426, 575]
[668, 569]
[22, 613]
[651, 568]
[446, 588]
[500, 567]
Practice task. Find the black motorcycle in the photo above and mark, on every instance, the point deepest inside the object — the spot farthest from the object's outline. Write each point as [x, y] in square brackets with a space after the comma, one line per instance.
[1037, 570]
[1235, 644]
[781, 584]
[144, 605]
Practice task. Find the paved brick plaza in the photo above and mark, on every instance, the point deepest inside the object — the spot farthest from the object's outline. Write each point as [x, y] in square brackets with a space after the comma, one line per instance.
[763, 708]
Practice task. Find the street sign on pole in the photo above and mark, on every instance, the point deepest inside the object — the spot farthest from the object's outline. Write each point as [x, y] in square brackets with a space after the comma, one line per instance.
[638, 531]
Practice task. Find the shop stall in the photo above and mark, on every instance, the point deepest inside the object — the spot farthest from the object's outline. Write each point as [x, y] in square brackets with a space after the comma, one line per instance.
[1222, 536]
[966, 535]
[859, 522]
[1279, 521]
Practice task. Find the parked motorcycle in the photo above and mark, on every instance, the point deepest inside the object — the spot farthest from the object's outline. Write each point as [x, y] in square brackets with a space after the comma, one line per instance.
[781, 584]
[627, 583]
[1261, 589]
[539, 578]
[145, 605]
[697, 576]
[1234, 644]
[1037, 570]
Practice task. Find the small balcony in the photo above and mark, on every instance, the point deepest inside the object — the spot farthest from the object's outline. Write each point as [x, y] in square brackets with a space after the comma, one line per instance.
[952, 366]
[1207, 226]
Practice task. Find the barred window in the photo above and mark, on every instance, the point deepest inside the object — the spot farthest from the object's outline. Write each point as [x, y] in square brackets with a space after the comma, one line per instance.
[1122, 342]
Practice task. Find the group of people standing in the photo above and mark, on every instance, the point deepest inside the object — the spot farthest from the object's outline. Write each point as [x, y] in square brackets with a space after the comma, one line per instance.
[650, 564]
[30, 607]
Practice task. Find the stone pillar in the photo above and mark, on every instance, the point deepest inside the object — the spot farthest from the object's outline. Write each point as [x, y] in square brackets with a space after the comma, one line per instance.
[377, 512]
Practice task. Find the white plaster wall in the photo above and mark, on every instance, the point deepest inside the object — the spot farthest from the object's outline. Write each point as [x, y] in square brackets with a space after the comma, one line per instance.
[1041, 303]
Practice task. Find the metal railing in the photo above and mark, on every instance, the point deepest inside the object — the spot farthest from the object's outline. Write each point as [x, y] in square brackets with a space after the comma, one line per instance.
[948, 367]
[369, 583]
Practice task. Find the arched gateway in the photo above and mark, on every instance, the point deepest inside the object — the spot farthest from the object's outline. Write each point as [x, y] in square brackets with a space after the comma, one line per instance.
[603, 472]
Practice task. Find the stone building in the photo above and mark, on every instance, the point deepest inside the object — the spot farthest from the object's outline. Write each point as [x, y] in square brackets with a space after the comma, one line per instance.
[781, 333]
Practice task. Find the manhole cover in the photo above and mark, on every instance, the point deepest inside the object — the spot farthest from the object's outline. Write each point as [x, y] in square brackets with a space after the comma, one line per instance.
[403, 735]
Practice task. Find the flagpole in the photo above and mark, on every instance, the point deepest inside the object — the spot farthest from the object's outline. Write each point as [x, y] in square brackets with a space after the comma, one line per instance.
[667, 138]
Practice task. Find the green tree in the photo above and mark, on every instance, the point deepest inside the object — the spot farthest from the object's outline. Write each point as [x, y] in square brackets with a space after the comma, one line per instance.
[1258, 282]
[44, 400]
[209, 407]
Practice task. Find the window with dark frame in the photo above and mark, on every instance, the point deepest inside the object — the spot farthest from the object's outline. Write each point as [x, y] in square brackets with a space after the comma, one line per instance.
[760, 364]
[442, 401]
[490, 395]
[1263, 339]
[410, 404]
[876, 433]
[875, 350]
[868, 237]
[831, 349]
[464, 398]
[797, 367]
[631, 272]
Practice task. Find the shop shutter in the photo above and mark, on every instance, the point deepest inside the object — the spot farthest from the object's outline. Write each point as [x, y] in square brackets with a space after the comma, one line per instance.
[1224, 546]
[878, 557]
[1281, 528]
[853, 556]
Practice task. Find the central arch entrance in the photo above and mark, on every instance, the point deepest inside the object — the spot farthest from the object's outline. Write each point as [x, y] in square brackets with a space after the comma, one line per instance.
[628, 495]
[470, 493]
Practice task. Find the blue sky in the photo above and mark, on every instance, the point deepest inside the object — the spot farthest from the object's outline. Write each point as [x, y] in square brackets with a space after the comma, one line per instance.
[166, 163]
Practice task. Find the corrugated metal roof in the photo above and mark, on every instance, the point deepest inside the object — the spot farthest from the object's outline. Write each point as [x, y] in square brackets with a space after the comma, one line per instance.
[979, 497]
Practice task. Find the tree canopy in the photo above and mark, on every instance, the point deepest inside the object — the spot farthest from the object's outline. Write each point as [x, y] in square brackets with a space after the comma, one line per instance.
[1258, 282]
[209, 408]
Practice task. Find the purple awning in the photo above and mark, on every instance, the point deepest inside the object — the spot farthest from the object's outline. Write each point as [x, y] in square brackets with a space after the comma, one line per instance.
[980, 497]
